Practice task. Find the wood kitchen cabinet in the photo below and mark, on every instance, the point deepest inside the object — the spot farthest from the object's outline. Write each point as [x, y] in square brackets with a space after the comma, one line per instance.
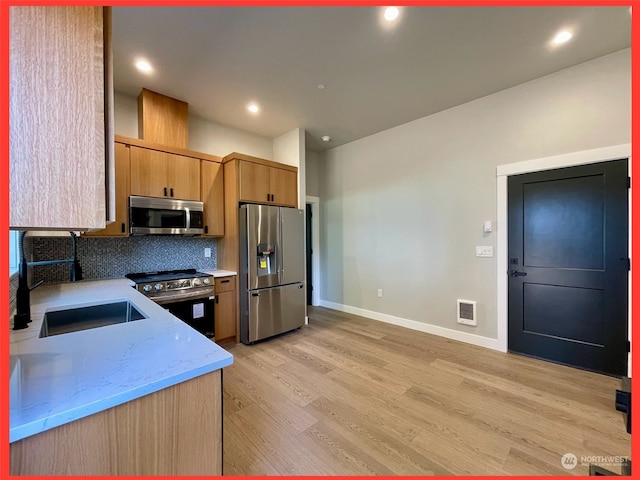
[175, 431]
[156, 173]
[253, 180]
[225, 309]
[212, 194]
[119, 228]
[61, 112]
[266, 184]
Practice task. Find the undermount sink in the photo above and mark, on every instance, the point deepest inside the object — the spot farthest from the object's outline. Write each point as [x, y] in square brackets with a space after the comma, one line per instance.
[57, 322]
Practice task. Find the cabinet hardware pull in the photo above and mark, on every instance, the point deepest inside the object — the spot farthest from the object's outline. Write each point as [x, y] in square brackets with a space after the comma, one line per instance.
[268, 197]
[217, 298]
[165, 191]
[206, 229]
[171, 190]
[122, 227]
[224, 281]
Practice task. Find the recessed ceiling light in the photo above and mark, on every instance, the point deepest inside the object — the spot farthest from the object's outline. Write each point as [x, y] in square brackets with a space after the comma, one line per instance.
[391, 13]
[253, 108]
[325, 138]
[562, 37]
[143, 66]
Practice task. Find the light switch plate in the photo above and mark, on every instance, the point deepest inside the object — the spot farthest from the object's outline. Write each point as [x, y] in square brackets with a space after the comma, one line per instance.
[207, 252]
[487, 227]
[484, 251]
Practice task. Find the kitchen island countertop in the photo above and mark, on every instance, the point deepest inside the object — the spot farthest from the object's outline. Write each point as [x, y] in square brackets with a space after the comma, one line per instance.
[62, 378]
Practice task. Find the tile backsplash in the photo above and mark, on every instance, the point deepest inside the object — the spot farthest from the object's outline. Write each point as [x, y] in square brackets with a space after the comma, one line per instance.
[114, 257]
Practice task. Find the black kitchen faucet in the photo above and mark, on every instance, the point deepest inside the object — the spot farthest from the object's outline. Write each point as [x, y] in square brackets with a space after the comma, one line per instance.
[23, 296]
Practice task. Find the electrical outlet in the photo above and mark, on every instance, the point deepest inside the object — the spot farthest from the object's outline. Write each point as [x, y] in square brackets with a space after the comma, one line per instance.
[484, 251]
[379, 293]
[207, 252]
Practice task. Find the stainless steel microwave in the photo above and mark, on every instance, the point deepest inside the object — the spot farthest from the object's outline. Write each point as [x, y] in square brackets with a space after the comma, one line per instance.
[165, 216]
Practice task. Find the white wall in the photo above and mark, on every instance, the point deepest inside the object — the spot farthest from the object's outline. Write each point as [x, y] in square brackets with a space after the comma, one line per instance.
[290, 150]
[312, 174]
[403, 209]
[204, 136]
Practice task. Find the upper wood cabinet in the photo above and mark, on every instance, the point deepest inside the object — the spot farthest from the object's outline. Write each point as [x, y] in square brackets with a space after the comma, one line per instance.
[61, 118]
[267, 184]
[119, 228]
[162, 174]
[212, 194]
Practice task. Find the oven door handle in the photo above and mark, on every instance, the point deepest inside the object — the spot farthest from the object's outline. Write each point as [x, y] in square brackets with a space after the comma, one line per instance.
[160, 299]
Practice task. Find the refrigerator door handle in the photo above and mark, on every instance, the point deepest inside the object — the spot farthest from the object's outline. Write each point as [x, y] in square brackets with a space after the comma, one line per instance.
[280, 245]
[255, 294]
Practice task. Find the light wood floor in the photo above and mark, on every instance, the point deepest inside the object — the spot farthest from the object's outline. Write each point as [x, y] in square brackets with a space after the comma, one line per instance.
[346, 395]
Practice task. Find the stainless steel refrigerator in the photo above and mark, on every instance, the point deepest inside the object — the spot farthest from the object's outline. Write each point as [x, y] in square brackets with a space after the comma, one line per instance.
[272, 260]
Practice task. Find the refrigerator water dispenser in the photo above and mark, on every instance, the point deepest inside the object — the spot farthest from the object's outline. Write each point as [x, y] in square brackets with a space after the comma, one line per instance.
[266, 259]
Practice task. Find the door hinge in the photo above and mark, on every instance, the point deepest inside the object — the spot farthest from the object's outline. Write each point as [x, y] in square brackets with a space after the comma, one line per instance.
[628, 182]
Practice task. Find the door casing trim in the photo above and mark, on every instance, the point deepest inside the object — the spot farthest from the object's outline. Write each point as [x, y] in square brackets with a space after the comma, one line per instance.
[584, 157]
[315, 245]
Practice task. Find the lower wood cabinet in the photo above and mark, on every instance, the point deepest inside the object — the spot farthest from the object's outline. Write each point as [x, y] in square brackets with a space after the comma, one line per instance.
[225, 309]
[175, 431]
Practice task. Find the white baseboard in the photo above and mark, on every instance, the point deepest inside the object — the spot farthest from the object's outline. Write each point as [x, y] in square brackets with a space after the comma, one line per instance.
[478, 340]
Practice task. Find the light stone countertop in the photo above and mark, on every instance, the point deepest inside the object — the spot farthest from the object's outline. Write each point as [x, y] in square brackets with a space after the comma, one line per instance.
[62, 378]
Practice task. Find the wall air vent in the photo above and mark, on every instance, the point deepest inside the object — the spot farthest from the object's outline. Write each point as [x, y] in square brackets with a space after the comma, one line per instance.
[467, 312]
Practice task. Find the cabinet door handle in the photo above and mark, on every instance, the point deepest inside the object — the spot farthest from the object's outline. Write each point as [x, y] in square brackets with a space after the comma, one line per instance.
[206, 229]
[165, 191]
[268, 197]
[123, 227]
[171, 190]
[217, 298]
[224, 281]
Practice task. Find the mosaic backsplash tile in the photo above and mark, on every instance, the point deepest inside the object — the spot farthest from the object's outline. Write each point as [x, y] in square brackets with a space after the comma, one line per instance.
[114, 257]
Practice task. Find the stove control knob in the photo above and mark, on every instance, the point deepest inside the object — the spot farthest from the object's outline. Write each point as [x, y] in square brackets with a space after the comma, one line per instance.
[147, 288]
[158, 286]
[196, 282]
[206, 281]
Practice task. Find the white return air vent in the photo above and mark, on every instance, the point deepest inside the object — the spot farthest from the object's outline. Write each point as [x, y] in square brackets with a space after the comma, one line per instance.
[467, 312]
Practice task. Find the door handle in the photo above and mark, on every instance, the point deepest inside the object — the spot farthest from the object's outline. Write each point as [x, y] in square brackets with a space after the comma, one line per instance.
[515, 273]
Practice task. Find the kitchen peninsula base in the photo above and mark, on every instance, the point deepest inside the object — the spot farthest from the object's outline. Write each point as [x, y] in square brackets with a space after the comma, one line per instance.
[174, 431]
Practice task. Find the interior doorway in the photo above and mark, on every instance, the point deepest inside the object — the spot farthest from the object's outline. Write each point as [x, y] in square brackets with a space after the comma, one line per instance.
[503, 172]
[568, 265]
[313, 249]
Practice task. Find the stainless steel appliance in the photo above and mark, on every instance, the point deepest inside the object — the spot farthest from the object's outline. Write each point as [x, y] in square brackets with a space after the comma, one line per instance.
[187, 294]
[165, 216]
[272, 258]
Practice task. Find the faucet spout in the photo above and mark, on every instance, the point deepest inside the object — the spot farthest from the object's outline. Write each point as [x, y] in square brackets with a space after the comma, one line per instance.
[23, 298]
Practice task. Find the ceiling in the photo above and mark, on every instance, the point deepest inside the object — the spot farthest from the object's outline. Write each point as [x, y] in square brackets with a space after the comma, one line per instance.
[377, 74]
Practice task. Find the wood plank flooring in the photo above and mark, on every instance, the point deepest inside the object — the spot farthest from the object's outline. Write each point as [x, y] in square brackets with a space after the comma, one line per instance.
[347, 395]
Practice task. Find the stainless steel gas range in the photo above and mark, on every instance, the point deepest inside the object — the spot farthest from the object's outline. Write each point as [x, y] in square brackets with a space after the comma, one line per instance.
[187, 294]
